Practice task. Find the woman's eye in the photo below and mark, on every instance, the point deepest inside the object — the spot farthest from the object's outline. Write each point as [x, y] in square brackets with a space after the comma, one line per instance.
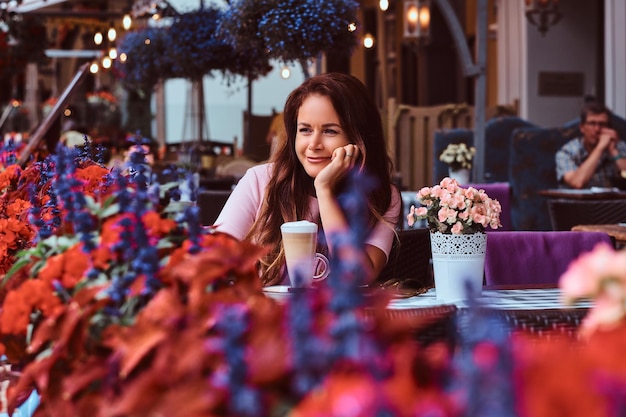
[304, 130]
[331, 132]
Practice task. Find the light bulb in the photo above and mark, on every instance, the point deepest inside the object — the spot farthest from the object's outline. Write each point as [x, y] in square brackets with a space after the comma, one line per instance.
[111, 34]
[98, 38]
[127, 21]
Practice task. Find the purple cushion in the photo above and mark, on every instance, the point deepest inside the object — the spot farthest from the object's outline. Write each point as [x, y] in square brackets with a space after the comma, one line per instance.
[535, 257]
[500, 191]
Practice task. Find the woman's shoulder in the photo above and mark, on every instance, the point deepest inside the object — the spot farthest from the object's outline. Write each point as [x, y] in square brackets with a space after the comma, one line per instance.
[259, 174]
[262, 169]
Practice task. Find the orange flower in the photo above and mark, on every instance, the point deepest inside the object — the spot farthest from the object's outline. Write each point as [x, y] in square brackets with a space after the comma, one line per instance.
[157, 226]
[111, 229]
[68, 267]
[17, 208]
[32, 295]
[10, 174]
[92, 178]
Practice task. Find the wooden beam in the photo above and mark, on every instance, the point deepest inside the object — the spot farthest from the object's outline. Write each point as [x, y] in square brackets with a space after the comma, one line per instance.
[35, 139]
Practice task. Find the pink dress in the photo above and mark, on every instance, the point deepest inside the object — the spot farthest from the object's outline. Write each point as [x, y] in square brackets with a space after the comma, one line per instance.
[244, 204]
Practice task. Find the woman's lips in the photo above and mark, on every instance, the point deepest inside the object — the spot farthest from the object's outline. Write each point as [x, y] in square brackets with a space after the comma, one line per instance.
[317, 159]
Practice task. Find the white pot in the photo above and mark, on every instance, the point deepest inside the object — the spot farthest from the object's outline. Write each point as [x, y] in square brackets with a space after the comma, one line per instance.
[462, 176]
[458, 265]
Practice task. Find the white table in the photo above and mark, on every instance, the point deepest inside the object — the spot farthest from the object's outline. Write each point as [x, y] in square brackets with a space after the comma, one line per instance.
[501, 299]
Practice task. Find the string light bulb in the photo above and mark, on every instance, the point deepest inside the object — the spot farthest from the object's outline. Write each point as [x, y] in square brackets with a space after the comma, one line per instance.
[111, 34]
[127, 21]
[98, 38]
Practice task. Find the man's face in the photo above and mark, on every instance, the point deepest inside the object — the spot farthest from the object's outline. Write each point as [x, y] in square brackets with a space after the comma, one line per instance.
[592, 128]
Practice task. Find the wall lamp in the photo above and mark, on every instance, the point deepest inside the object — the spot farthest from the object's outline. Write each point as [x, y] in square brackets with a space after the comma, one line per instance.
[417, 20]
[543, 14]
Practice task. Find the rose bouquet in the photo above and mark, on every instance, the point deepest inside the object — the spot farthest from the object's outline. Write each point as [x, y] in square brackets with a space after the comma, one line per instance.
[458, 156]
[451, 209]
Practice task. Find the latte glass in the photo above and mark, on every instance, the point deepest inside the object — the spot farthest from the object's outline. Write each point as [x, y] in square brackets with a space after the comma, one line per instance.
[304, 265]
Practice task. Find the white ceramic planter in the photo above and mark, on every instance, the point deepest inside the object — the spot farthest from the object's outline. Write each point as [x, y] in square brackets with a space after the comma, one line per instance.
[458, 265]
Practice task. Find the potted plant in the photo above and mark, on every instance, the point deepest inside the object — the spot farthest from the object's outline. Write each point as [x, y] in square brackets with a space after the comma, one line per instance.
[457, 218]
[458, 157]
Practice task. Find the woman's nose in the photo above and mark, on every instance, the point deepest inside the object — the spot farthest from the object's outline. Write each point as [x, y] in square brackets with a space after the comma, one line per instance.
[315, 140]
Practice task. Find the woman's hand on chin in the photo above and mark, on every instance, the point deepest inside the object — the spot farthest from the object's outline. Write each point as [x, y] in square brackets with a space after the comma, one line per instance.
[341, 161]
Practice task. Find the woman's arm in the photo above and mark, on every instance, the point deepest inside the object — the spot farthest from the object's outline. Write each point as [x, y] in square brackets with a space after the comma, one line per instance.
[332, 217]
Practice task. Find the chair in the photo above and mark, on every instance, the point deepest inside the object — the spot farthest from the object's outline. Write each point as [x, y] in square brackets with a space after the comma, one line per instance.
[235, 168]
[565, 214]
[211, 203]
[532, 169]
[498, 132]
[410, 259]
[535, 257]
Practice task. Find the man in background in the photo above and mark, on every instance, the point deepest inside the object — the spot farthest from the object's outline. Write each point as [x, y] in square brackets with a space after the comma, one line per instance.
[598, 157]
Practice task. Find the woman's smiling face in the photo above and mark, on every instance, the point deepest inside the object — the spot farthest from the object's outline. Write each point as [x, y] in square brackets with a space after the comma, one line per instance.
[319, 133]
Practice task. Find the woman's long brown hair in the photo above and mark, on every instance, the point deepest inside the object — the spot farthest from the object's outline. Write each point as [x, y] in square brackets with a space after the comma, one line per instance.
[290, 187]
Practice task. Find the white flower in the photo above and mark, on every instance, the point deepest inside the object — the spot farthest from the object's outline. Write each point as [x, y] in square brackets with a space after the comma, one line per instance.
[458, 155]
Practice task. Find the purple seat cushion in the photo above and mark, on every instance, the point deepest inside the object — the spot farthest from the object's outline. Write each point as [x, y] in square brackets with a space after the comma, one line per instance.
[500, 191]
[535, 257]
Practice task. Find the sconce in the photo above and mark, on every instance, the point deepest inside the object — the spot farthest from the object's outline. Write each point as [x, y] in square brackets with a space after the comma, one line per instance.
[543, 14]
[417, 20]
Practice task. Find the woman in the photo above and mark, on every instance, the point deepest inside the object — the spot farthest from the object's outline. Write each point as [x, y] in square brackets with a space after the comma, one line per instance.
[332, 127]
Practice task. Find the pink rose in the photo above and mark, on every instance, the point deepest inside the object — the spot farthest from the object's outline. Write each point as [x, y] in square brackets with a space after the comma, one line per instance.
[425, 191]
[457, 229]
